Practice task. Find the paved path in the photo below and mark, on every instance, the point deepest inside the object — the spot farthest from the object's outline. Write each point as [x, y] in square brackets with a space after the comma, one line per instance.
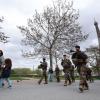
[30, 90]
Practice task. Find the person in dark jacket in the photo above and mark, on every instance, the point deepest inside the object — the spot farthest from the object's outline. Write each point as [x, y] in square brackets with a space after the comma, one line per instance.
[6, 73]
[1, 59]
[50, 74]
[1, 63]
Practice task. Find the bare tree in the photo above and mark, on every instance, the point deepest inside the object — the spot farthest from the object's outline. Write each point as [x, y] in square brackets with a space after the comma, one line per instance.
[55, 29]
[3, 37]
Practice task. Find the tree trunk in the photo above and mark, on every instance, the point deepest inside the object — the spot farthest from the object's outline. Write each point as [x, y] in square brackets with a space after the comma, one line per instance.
[50, 56]
[56, 58]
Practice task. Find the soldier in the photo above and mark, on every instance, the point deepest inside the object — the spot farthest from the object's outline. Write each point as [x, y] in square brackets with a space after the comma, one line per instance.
[57, 73]
[43, 66]
[80, 59]
[72, 73]
[89, 76]
[66, 63]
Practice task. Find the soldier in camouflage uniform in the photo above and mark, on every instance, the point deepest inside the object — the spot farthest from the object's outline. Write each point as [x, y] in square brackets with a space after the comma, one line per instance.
[80, 59]
[43, 66]
[66, 63]
[89, 76]
[57, 73]
[72, 73]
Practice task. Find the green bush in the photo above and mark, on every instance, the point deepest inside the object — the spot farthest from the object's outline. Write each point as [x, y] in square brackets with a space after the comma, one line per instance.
[22, 71]
[25, 72]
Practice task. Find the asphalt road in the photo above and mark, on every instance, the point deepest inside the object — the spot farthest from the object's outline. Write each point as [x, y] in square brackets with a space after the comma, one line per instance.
[30, 90]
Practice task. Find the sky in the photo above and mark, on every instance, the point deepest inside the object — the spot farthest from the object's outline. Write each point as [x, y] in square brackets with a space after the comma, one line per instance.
[16, 13]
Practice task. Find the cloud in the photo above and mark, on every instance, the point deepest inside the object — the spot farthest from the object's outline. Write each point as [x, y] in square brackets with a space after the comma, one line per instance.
[16, 13]
[88, 9]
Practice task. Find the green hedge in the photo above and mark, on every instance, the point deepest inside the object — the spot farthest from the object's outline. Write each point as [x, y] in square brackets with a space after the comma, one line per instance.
[37, 76]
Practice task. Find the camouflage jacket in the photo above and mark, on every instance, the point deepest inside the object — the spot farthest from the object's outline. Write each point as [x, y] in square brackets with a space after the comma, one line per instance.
[66, 63]
[79, 58]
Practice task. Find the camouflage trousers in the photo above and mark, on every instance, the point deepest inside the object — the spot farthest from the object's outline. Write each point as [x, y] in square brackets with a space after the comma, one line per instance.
[83, 85]
[44, 76]
[72, 76]
[58, 77]
[89, 77]
[67, 77]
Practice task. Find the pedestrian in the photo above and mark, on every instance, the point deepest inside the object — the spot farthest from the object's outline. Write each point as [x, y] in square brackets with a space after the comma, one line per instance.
[6, 72]
[1, 59]
[1, 63]
[50, 75]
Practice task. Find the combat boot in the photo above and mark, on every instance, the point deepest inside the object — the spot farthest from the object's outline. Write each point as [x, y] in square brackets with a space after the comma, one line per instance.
[65, 84]
[46, 82]
[81, 87]
[86, 87]
[69, 82]
[39, 82]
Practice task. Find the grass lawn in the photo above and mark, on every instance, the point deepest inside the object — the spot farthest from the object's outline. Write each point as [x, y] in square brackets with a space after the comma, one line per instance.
[19, 78]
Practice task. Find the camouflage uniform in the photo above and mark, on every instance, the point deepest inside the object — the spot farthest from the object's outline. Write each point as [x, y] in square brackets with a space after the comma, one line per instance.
[57, 72]
[79, 59]
[43, 66]
[72, 73]
[89, 75]
[66, 69]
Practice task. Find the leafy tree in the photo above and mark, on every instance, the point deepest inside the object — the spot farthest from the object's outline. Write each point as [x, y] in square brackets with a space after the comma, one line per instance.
[55, 30]
[3, 37]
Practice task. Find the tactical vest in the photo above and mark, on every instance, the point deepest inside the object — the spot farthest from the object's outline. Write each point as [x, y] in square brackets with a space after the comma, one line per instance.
[66, 63]
[79, 58]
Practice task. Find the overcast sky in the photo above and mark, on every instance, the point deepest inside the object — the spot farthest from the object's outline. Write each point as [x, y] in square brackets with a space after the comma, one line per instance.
[16, 12]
